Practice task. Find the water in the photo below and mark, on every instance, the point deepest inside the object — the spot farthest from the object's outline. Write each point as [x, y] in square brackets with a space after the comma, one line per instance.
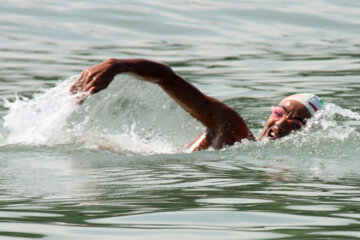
[113, 168]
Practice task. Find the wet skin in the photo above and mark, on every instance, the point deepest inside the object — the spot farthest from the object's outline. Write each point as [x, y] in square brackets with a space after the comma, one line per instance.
[224, 126]
[276, 127]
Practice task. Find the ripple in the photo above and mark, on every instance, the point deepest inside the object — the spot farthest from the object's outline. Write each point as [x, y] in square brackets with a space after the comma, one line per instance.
[233, 201]
[249, 54]
[319, 208]
[225, 220]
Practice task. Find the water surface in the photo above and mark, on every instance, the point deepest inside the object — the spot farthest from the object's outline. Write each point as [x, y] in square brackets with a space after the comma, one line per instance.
[113, 168]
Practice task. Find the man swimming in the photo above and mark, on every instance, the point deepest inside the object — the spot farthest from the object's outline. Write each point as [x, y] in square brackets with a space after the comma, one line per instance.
[224, 126]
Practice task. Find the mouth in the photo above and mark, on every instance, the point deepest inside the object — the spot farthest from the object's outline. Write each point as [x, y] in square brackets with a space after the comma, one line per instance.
[271, 134]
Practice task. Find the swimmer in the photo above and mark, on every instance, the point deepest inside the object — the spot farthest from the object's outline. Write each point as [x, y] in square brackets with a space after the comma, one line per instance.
[224, 126]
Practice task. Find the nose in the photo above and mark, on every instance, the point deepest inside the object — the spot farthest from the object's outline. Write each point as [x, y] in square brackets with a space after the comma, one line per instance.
[283, 126]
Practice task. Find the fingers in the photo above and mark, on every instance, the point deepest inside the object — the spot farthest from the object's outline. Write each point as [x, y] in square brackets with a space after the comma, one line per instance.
[97, 88]
[89, 77]
[80, 98]
[76, 86]
[84, 82]
[99, 82]
[94, 79]
[90, 83]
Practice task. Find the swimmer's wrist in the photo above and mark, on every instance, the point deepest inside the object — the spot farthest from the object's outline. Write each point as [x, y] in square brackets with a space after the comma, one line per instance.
[119, 65]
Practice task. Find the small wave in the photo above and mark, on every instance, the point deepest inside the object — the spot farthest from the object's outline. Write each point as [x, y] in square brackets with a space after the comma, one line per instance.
[136, 117]
[112, 120]
[40, 120]
[326, 136]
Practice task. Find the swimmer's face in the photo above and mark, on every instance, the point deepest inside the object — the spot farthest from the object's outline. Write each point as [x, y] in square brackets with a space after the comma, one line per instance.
[289, 115]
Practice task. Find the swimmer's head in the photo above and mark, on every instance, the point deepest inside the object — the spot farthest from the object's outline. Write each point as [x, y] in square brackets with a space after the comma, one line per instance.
[290, 115]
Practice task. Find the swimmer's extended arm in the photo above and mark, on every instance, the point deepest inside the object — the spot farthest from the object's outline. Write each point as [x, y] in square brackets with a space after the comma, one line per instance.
[219, 118]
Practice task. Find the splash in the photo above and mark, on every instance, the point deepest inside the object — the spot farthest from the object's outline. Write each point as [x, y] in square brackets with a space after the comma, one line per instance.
[331, 123]
[327, 148]
[112, 120]
[330, 135]
[136, 117]
[38, 120]
[328, 123]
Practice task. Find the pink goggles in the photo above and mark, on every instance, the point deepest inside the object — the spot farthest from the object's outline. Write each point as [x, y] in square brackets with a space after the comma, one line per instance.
[279, 113]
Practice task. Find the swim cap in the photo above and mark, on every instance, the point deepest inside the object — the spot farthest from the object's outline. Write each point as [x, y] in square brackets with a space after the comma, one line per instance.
[310, 101]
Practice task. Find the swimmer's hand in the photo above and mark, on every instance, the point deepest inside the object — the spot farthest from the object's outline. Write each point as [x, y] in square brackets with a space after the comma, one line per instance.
[96, 78]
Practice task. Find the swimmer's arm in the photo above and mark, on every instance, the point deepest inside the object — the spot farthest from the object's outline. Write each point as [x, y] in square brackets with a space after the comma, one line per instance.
[215, 115]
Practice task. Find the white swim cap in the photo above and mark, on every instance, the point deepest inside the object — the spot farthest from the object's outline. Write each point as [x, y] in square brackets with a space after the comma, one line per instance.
[310, 101]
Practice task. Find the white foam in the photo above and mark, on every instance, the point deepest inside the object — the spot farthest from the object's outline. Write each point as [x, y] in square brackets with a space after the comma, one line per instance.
[118, 121]
[53, 117]
[128, 142]
[40, 120]
[332, 109]
[324, 125]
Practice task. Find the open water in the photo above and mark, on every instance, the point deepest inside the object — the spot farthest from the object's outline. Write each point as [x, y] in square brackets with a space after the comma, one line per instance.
[113, 168]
